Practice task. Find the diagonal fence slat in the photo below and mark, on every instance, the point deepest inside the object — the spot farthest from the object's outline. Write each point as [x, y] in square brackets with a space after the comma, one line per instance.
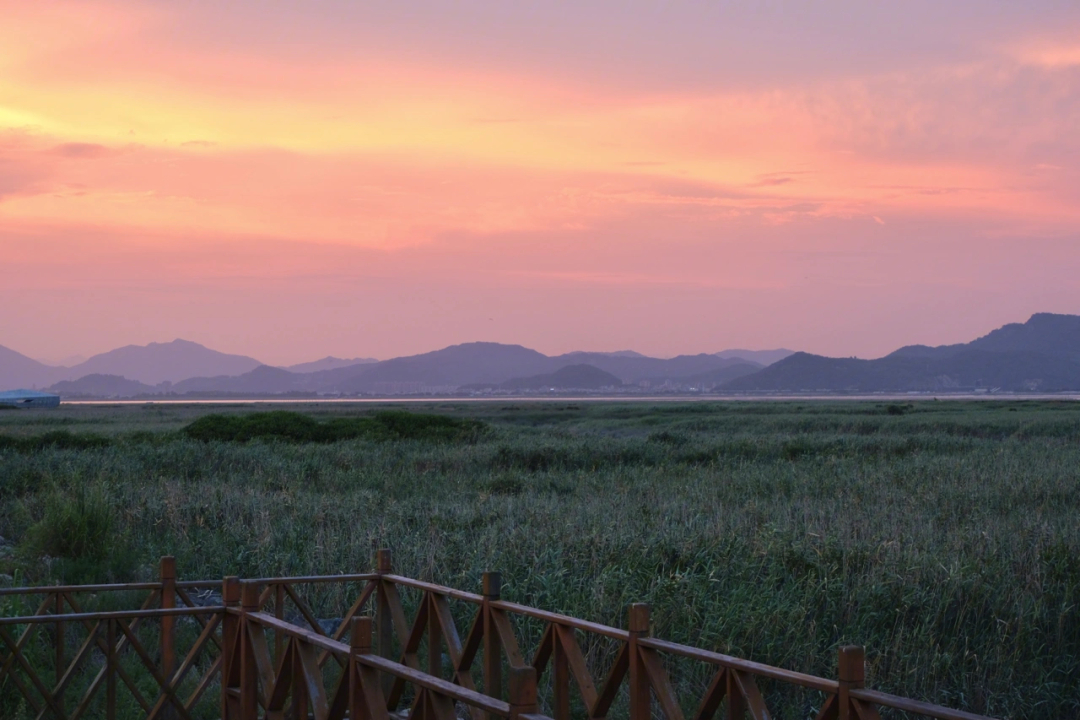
[156, 673]
[110, 651]
[365, 596]
[76, 664]
[661, 685]
[578, 667]
[23, 639]
[169, 691]
[17, 655]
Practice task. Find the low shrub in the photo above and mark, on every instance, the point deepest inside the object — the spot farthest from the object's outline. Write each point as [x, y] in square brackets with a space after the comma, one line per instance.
[387, 425]
[75, 526]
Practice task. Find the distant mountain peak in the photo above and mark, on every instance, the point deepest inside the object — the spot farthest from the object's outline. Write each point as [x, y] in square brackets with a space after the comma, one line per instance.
[328, 363]
[570, 377]
[156, 362]
[1042, 354]
[762, 357]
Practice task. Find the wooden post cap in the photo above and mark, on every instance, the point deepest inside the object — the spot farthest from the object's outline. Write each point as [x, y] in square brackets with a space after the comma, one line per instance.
[361, 633]
[168, 567]
[523, 686]
[639, 618]
[852, 665]
[230, 590]
[384, 561]
[249, 595]
[492, 584]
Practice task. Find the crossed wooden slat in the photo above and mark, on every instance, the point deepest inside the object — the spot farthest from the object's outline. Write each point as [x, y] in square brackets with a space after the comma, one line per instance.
[47, 702]
[296, 687]
[283, 590]
[434, 620]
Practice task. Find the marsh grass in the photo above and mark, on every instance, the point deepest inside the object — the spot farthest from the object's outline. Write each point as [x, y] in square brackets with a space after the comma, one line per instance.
[944, 538]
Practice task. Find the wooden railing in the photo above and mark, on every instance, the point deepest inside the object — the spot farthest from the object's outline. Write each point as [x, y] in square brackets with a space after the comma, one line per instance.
[263, 648]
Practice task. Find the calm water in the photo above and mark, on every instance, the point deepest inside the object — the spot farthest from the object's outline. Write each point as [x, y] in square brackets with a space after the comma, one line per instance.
[575, 398]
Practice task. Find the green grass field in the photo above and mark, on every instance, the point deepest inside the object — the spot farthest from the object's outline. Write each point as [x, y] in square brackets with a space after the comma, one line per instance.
[943, 536]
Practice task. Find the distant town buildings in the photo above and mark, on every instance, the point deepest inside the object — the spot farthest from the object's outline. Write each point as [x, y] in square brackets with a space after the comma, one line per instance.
[28, 399]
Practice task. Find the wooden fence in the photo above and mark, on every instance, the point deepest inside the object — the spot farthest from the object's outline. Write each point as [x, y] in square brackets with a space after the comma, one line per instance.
[241, 650]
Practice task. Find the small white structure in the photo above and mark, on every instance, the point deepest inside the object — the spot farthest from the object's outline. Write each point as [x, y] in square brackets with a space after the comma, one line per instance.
[29, 399]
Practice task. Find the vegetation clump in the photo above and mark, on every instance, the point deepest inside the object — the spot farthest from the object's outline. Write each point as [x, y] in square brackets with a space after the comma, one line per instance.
[56, 439]
[79, 535]
[76, 525]
[282, 425]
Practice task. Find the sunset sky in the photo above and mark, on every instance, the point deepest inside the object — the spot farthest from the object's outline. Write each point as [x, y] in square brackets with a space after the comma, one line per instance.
[292, 180]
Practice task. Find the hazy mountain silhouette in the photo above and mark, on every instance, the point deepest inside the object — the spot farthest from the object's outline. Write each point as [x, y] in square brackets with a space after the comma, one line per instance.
[1043, 333]
[490, 364]
[719, 376]
[655, 370]
[163, 362]
[328, 363]
[624, 353]
[102, 386]
[1042, 354]
[192, 368]
[263, 380]
[480, 362]
[762, 357]
[18, 370]
[571, 377]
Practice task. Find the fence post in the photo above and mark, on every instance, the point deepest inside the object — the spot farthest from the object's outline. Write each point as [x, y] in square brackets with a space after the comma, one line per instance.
[852, 672]
[249, 672]
[167, 575]
[639, 680]
[360, 644]
[110, 669]
[230, 626]
[522, 691]
[492, 590]
[383, 618]
[279, 613]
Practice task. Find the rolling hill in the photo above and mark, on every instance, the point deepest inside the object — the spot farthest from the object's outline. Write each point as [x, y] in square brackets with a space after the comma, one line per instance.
[163, 362]
[1041, 355]
[102, 386]
[761, 357]
[653, 370]
[263, 380]
[571, 377]
[17, 371]
[328, 363]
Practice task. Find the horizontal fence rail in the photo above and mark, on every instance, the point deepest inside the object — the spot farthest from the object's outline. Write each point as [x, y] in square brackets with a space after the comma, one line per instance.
[266, 648]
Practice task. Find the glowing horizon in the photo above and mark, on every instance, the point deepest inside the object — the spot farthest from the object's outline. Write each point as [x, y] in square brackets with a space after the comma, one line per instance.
[373, 181]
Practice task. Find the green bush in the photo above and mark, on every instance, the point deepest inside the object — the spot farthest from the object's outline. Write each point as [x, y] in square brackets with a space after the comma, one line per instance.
[288, 426]
[75, 526]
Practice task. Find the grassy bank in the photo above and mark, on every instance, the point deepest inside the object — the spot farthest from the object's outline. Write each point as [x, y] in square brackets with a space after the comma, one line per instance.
[943, 536]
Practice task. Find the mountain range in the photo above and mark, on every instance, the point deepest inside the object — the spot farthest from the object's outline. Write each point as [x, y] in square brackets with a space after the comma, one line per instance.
[183, 368]
[1040, 355]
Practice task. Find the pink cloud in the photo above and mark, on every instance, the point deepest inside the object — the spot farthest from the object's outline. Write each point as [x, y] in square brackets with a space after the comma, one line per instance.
[386, 187]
